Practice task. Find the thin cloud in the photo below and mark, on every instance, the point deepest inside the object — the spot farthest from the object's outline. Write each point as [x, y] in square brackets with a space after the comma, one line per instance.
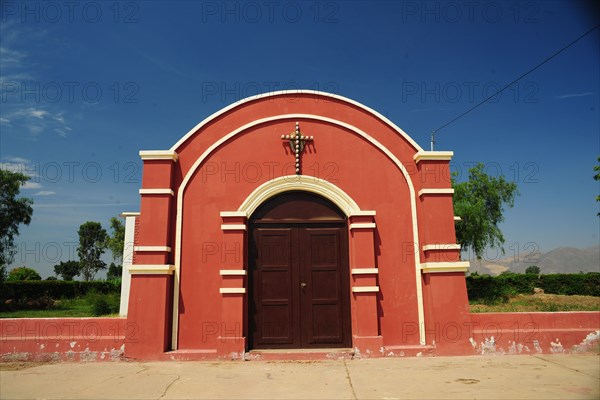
[17, 160]
[17, 164]
[570, 95]
[63, 205]
[31, 185]
[44, 193]
[37, 120]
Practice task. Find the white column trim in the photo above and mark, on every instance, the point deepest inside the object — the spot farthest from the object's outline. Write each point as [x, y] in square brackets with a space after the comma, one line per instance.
[164, 269]
[159, 155]
[363, 213]
[157, 191]
[364, 271]
[365, 289]
[232, 290]
[433, 155]
[441, 246]
[233, 214]
[363, 225]
[232, 272]
[433, 267]
[129, 240]
[435, 191]
[233, 227]
[152, 248]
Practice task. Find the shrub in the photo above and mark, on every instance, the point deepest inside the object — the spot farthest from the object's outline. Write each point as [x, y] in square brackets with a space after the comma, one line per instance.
[102, 304]
[23, 274]
[493, 289]
[17, 294]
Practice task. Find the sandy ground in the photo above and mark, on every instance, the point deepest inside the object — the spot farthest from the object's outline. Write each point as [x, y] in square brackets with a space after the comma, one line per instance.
[476, 377]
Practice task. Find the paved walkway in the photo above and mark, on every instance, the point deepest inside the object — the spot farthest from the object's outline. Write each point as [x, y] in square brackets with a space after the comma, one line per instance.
[489, 377]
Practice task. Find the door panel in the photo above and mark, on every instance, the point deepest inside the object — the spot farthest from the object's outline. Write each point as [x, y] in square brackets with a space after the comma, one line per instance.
[322, 317]
[300, 283]
[273, 287]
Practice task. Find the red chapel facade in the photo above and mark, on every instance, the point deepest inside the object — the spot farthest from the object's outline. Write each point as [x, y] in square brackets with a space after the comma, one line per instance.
[295, 220]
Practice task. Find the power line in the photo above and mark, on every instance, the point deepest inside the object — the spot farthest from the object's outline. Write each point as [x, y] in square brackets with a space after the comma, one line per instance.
[510, 84]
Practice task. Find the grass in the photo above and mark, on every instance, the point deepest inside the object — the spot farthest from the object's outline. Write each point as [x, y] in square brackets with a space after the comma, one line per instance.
[540, 303]
[83, 306]
[86, 306]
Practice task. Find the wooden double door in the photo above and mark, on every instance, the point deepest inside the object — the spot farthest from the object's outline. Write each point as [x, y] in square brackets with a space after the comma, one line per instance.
[298, 274]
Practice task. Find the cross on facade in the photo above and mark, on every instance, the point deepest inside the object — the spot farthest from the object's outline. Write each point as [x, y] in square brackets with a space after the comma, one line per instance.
[297, 142]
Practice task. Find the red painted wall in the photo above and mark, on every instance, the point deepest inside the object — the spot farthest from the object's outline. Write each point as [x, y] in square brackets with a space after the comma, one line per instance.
[69, 339]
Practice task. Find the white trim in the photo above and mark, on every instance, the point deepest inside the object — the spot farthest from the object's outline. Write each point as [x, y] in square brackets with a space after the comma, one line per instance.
[129, 214]
[127, 261]
[363, 225]
[364, 271]
[232, 290]
[152, 248]
[165, 269]
[433, 156]
[433, 267]
[159, 155]
[157, 191]
[435, 191]
[292, 92]
[363, 213]
[232, 214]
[232, 272]
[298, 182]
[365, 289]
[457, 218]
[233, 227]
[440, 246]
[273, 185]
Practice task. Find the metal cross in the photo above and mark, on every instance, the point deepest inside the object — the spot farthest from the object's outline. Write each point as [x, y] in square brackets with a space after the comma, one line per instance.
[297, 141]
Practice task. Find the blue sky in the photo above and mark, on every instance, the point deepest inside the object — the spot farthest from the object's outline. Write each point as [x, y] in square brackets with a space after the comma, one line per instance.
[86, 85]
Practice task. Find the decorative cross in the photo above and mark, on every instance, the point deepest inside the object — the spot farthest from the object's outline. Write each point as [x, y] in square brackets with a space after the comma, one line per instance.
[297, 141]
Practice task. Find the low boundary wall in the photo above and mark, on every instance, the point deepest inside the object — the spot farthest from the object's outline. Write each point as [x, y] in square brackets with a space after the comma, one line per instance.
[66, 339]
[105, 339]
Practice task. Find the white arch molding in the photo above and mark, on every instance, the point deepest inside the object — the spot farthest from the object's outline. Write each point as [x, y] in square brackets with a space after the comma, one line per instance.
[305, 183]
[336, 198]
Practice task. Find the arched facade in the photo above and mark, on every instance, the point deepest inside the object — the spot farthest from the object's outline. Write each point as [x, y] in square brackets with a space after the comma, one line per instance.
[189, 278]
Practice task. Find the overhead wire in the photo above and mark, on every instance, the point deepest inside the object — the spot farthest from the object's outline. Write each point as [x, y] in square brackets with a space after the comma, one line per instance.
[512, 83]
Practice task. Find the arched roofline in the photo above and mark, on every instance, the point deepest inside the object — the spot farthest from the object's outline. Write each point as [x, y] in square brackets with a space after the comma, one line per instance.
[296, 92]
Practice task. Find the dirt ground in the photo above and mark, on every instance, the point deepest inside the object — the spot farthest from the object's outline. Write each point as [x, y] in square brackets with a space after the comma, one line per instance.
[475, 377]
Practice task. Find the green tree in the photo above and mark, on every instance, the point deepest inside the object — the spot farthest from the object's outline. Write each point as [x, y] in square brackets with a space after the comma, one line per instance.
[92, 243]
[480, 203]
[114, 271]
[597, 177]
[67, 270]
[116, 241]
[23, 274]
[13, 212]
[533, 269]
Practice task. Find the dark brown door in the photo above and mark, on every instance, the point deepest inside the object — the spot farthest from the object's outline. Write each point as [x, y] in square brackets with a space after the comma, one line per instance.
[299, 284]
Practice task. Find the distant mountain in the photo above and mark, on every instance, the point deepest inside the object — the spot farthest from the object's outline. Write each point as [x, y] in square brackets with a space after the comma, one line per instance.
[565, 260]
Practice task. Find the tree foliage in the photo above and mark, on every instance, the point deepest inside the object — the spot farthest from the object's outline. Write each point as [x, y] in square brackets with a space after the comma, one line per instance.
[23, 274]
[114, 271]
[13, 212]
[92, 243]
[480, 203]
[68, 270]
[533, 269]
[116, 240]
